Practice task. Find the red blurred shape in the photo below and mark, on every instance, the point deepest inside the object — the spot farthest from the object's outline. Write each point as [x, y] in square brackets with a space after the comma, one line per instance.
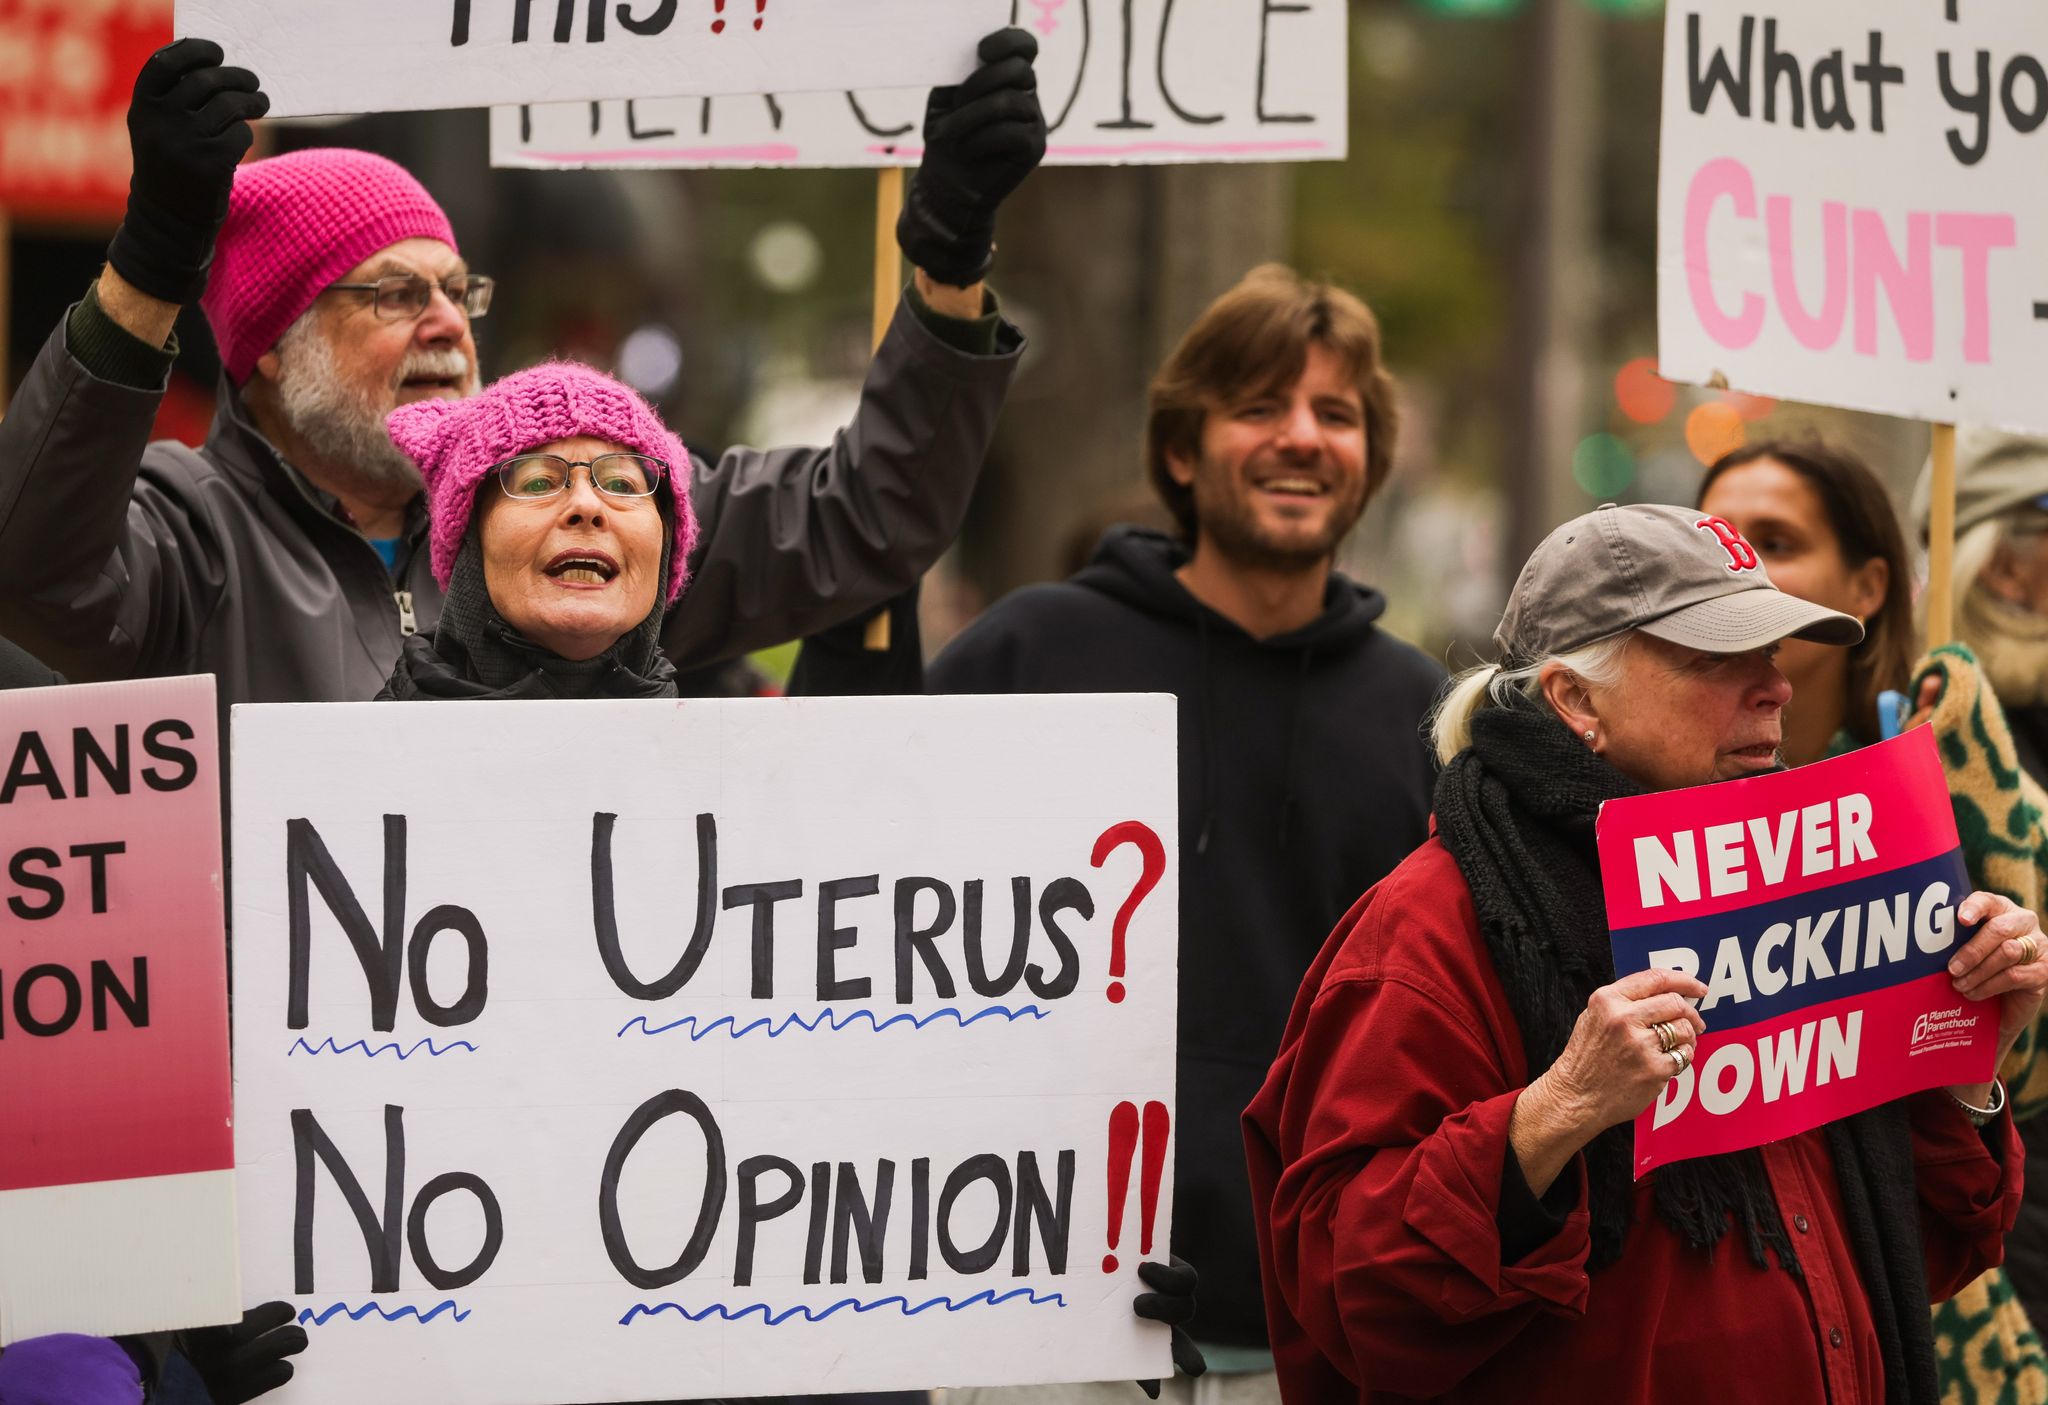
[1644, 396]
[66, 72]
[1751, 407]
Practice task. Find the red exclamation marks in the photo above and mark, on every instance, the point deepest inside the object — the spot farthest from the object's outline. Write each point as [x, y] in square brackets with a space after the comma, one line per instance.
[760, 8]
[1123, 1141]
[718, 25]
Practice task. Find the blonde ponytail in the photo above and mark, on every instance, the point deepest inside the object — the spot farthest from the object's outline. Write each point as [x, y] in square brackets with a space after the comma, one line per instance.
[1489, 685]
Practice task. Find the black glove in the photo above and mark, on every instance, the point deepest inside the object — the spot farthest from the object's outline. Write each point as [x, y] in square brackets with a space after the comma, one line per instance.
[245, 1360]
[1171, 1302]
[188, 126]
[980, 140]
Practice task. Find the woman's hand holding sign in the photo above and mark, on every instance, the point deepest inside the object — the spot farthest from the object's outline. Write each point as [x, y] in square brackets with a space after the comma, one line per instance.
[2003, 959]
[1633, 1037]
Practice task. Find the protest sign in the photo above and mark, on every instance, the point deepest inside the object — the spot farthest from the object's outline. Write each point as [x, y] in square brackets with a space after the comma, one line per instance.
[66, 70]
[1850, 207]
[396, 55]
[1136, 81]
[117, 1209]
[651, 1050]
[1818, 905]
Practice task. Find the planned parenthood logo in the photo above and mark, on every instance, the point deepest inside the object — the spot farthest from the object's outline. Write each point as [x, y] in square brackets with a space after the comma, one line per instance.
[1943, 1029]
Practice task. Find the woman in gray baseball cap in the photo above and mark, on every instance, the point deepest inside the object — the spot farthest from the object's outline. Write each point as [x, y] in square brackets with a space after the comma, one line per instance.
[1442, 1148]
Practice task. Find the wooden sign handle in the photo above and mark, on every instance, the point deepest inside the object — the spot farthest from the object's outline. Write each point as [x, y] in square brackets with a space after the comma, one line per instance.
[1941, 538]
[888, 290]
[888, 262]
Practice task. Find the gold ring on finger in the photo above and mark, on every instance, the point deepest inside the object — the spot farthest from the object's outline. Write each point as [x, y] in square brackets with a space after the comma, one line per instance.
[1667, 1037]
[1678, 1057]
[2033, 946]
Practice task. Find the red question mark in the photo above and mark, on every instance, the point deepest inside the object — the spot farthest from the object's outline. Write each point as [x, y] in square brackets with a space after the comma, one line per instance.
[1154, 854]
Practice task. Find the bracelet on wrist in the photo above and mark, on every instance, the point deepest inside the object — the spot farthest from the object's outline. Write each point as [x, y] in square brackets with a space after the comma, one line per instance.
[1982, 1116]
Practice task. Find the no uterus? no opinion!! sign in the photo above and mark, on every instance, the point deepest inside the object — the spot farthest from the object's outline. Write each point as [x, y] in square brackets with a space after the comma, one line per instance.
[726, 1048]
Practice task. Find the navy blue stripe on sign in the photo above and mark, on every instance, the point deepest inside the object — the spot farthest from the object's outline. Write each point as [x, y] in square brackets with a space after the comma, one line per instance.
[1812, 971]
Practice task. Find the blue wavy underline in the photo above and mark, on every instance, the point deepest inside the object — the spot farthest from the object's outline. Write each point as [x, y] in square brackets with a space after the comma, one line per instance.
[733, 1029]
[328, 1046]
[357, 1314]
[772, 1318]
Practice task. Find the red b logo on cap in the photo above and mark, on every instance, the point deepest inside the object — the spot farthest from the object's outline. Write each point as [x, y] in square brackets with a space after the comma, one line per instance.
[1741, 555]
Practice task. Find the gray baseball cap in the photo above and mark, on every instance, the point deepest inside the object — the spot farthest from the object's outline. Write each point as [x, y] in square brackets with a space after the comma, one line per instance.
[1672, 572]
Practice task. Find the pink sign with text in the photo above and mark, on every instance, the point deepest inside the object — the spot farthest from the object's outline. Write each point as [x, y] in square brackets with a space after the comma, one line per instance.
[116, 1170]
[1818, 906]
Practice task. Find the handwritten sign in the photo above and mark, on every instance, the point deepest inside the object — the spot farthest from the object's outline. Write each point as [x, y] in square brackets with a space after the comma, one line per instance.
[395, 55]
[66, 71]
[1850, 207]
[117, 1209]
[725, 1047]
[1818, 905]
[1122, 81]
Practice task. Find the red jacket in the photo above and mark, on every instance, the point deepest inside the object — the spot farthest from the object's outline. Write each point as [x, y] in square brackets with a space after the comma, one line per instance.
[1378, 1149]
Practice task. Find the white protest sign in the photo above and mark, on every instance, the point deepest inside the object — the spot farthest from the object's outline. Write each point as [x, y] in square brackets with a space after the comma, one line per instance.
[397, 55]
[651, 1050]
[1122, 81]
[1851, 208]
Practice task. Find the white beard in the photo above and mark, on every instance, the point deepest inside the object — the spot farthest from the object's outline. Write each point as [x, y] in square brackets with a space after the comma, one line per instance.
[343, 427]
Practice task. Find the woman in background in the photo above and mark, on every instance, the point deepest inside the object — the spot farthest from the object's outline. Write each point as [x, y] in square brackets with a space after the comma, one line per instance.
[1823, 525]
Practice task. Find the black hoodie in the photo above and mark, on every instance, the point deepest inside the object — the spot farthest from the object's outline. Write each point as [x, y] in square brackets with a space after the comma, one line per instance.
[1304, 779]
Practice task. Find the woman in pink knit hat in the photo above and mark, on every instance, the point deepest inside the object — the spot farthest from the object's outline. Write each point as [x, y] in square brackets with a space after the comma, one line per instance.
[561, 532]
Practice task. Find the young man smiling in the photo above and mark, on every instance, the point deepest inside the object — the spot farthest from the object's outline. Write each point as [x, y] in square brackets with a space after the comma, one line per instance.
[1304, 777]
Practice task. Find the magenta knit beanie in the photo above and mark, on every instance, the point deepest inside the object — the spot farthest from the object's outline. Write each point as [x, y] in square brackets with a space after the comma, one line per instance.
[295, 224]
[457, 443]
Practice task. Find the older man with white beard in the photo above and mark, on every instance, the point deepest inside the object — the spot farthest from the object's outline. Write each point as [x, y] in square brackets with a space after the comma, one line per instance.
[286, 555]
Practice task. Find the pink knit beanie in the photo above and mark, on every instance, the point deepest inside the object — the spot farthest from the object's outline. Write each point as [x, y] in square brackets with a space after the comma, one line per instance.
[457, 443]
[295, 224]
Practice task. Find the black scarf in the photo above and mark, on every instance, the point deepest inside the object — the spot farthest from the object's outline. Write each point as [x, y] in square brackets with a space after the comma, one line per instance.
[1516, 809]
[474, 654]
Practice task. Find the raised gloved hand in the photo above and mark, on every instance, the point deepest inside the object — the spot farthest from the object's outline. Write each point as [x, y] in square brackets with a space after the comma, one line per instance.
[980, 140]
[188, 127]
[1172, 1301]
[245, 1359]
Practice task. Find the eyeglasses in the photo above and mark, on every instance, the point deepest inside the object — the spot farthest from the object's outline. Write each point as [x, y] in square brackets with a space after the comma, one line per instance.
[531, 477]
[405, 296]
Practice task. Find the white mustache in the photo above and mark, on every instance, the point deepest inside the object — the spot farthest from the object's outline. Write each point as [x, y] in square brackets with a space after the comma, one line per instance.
[440, 364]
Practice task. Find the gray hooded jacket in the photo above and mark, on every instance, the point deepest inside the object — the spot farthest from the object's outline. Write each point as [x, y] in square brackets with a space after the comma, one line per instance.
[123, 558]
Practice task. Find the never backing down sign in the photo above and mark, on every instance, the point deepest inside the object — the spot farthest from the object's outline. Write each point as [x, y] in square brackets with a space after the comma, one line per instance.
[725, 1048]
[1818, 905]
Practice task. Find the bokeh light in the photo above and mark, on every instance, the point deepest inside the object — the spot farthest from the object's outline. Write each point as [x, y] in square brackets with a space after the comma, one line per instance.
[1603, 466]
[651, 360]
[1644, 396]
[787, 257]
[1713, 429]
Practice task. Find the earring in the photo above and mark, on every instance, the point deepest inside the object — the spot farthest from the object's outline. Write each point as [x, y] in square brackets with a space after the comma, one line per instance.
[1589, 736]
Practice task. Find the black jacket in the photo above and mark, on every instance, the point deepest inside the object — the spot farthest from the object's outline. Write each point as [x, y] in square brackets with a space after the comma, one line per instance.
[1304, 779]
[2030, 738]
[21, 669]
